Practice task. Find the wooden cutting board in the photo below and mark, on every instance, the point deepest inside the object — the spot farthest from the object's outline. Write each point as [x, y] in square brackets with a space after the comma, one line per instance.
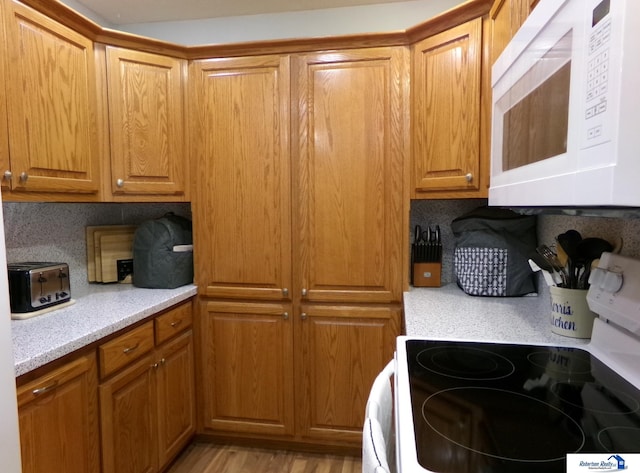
[114, 247]
[93, 247]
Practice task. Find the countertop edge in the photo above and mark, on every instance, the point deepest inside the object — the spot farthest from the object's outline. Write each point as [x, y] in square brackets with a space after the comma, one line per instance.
[104, 311]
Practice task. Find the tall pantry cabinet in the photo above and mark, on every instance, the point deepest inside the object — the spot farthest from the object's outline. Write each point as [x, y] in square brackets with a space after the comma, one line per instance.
[348, 130]
[298, 220]
[242, 232]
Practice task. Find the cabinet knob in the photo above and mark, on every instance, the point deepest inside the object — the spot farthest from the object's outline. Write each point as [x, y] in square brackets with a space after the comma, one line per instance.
[303, 316]
[8, 175]
[285, 292]
[120, 182]
[469, 177]
[285, 316]
[304, 292]
[23, 177]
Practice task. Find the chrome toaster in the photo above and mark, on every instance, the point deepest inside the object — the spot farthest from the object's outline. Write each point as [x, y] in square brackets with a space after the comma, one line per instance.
[35, 285]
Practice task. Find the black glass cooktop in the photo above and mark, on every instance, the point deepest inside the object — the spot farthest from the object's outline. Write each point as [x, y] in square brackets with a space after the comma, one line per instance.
[485, 407]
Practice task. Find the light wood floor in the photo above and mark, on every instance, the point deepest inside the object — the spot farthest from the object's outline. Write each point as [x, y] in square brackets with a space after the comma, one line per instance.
[211, 458]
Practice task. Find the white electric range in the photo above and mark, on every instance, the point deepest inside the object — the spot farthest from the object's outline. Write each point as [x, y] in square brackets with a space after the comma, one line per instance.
[474, 407]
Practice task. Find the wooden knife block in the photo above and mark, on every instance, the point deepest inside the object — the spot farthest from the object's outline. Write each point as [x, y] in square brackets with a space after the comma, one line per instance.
[427, 274]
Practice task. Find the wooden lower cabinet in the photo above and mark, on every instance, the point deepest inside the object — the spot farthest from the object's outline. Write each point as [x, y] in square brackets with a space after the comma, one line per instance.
[176, 396]
[339, 352]
[302, 378]
[148, 409]
[58, 415]
[247, 365]
[128, 404]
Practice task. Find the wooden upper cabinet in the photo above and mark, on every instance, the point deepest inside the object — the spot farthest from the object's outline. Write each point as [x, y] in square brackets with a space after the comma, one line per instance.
[241, 166]
[350, 145]
[58, 415]
[4, 138]
[51, 100]
[446, 112]
[506, 18]
[146, 123]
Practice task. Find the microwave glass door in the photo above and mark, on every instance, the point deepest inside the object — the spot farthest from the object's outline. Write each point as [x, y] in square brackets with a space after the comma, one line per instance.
[535, 109]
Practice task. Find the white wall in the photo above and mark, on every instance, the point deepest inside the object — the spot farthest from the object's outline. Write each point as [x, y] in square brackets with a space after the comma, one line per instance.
[9, 437]
[314, 23]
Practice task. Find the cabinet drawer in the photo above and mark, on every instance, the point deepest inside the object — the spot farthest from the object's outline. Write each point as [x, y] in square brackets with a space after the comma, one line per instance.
[173, 322]
[50, 382]
[124, 349]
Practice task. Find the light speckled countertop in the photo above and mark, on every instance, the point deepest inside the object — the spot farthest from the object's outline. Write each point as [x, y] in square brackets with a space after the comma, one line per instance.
[105, 310]
[448, 313]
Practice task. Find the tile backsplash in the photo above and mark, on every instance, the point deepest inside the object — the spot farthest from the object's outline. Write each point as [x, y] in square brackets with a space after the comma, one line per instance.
[442, 212]
[56, 231]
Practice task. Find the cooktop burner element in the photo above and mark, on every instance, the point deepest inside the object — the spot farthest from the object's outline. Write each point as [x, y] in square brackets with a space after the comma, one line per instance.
[506, 408]
[466, 363]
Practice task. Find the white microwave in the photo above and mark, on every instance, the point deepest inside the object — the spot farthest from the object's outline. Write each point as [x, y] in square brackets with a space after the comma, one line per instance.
[566, 107]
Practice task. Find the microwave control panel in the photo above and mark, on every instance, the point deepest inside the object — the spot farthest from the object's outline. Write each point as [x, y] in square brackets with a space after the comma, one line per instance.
[598, 72]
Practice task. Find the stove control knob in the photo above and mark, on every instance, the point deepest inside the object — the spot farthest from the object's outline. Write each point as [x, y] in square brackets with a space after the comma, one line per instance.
[612, 282]
[608, 281]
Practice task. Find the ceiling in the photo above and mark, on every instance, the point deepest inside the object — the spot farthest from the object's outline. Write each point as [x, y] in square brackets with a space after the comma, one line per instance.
[122, 12]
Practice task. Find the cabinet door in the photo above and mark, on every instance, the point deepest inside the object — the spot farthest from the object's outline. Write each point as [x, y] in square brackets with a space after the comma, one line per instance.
[349, 133]
[129, 420]
[176, 396]
[446, 112]
[340, 351]
[240, 153]
[506, 18]
[247, 362]
[58, 416]
[4, 139]
[52, 104]
[146, 113]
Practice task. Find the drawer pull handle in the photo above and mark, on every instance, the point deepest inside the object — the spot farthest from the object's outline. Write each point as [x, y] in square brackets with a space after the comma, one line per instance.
[46, 389]
[130, 349]
[176, 323]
